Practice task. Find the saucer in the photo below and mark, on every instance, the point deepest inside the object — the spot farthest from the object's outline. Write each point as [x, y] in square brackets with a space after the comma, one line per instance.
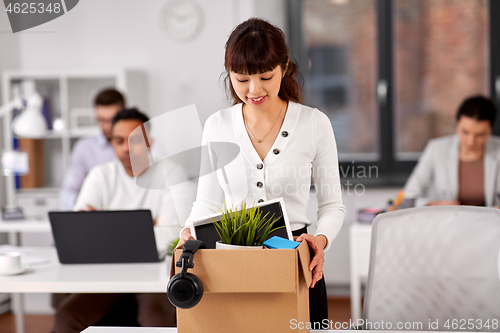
[21, 270]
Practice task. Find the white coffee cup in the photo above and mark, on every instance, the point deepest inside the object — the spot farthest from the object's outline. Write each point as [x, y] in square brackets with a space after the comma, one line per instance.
[10, 262]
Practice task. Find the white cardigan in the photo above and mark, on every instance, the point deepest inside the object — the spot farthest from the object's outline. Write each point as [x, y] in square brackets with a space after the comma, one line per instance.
[305, 149]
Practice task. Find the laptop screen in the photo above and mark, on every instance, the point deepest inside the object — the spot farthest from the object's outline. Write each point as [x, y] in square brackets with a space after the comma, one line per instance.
[104, 237]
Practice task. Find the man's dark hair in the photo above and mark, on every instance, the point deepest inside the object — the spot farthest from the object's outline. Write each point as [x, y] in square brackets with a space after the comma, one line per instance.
[108, 97]
[131, 114]
[479, 108]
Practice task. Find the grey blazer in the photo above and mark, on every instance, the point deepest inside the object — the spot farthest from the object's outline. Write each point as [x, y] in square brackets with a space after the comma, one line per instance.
[436, 175]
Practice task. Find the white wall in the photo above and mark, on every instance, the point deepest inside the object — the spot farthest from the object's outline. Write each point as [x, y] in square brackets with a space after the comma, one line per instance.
[272, 10]
[9, 45]
[128, 34]
[118, 33]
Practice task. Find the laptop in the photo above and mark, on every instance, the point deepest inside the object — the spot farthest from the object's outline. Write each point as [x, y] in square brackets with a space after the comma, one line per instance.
[205, 231]
[105, 237]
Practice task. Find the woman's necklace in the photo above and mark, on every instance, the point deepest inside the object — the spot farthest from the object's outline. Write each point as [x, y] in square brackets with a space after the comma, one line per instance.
[251, 134]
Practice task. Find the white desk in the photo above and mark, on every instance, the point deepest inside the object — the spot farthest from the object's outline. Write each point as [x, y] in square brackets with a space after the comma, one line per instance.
[174, 330]
[13, 228]
[360, 241]
[155, 330]
[103, 278]
[130, 330]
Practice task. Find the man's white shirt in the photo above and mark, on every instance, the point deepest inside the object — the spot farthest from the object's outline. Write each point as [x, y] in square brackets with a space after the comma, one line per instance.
[109, 187]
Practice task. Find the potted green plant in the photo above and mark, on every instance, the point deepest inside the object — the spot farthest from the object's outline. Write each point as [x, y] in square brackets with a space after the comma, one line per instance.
[245, 227]
[171, 247]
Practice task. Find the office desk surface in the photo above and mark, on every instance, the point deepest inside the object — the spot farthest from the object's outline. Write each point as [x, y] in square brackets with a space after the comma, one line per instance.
[28, 225]
[110, 278]
[174, 330]
[144, 330]
[130, 330]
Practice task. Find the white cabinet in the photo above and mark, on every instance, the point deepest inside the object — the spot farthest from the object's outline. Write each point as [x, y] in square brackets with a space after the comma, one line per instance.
[70, 95]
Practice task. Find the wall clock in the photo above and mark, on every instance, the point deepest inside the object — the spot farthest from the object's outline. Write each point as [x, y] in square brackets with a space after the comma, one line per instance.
[182, 20]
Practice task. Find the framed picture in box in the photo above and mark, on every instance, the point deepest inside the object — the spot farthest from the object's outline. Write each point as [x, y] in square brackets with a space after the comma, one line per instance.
[205, 231]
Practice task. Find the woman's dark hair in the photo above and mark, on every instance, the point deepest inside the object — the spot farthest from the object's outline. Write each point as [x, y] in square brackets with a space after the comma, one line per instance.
[109, 96]
[256, 46]
[131, 114]
[478, 108]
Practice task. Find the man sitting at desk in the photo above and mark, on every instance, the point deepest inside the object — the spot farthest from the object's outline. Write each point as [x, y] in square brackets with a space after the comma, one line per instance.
[111, 186]
[91, 151]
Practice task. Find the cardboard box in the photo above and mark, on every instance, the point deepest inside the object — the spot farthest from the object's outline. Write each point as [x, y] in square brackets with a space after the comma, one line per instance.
[248, 290]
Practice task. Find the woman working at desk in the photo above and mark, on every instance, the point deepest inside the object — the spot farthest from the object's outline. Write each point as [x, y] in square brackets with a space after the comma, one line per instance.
[283, 144]
[461, 169]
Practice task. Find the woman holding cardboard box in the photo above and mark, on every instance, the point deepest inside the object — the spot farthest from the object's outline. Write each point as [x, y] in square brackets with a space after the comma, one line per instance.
[283, 143]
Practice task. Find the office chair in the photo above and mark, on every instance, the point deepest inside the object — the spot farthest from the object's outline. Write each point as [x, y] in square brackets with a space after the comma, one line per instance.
[438, 265]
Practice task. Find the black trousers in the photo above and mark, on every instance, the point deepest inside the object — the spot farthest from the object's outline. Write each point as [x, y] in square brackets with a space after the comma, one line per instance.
[318, 303]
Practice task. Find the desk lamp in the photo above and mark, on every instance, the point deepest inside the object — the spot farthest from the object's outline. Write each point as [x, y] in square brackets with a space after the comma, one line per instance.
[30, 123]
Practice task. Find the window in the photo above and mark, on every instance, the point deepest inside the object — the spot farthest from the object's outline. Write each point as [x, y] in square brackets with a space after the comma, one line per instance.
[440, 56]
[341, 44]
[390, 74]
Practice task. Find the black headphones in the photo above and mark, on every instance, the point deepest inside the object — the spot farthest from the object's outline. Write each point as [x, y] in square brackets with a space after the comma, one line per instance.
[184, 290]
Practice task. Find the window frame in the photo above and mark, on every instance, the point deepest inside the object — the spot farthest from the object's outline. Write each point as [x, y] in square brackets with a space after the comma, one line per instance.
[392, 172]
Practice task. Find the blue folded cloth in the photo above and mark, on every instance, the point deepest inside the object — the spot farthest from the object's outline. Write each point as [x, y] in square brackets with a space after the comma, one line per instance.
[280, 243]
